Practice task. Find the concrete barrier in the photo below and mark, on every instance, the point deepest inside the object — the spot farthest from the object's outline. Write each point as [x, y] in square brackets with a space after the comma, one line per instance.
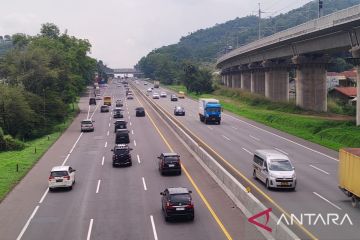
[243, 199]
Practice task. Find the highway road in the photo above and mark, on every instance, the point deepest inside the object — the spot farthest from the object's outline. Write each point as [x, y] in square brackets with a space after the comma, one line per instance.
[237, 138]
[117, 203]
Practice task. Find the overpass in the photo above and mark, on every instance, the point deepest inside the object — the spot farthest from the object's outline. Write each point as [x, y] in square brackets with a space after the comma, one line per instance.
[125, 71]
[263, 66]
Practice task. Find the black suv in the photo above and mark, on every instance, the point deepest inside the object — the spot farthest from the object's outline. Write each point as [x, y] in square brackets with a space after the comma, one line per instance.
[169, 163]
[122, 136]
[104, 108]
[120, 124]
[179, 111]
[140, 112]
[121, 155]
[118, 113]
[177, 202]
[92, 101]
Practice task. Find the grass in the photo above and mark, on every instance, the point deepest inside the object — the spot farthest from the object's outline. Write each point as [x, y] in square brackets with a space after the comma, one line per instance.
[26, 158]
[318, 128]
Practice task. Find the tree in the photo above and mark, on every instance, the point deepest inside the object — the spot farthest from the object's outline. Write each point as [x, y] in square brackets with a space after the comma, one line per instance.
[49, 30]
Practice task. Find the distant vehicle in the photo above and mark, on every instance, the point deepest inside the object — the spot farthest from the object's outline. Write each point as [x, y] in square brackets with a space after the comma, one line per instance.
[149, 90]
[349, 169]
[87, 125]
[118, 85]
[163, 94]
[92, 101]
[156, 96]
[107, 100]
[98, 97]
[61, 177]
[118, 113]
[173, 98]
[104, 108]
[119, 103]
[128, 92]
[122, 136]
[121, 155]
[139, 112]
[156, 84]
[179, 111]
[120, 124]
[274, 169]
[209, 110]
[181, 94]
[145, 83]
[177, 202]
[169, 163]
[130, 97]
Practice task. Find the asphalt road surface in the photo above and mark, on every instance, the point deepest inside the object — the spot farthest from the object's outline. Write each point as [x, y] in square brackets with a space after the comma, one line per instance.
[317, 191]
[117, 203]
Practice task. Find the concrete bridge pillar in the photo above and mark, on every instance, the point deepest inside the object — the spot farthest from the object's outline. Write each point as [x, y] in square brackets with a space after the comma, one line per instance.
[311, 91]
[236, 80]
[227, 80]
[276, 80]
[356, 61]
[230, 80]
[257, 79]
[246, 80]
[222, 81]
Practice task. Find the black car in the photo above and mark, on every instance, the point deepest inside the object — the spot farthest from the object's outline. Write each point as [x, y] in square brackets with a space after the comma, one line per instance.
[92, 101]
[140, 112]
[118, 113]
[173, 98]
[120, 124]
[177, 202]
[169, 163]
[121, 155]
[179, 111]
[104, 108]
[122, 136]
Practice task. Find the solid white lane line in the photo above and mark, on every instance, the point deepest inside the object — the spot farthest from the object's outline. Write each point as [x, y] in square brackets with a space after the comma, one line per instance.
[102, 161]
[88, 114]
[257, 139]
[210, 128]
[44, 195]
[77, 140]
[65, 160]
[98, 186]
[247, 151]
[94, 111]
[105, 144]
[90, 229]
[27, 223]
[108, 133]
[327, 200]
[282, 151]
[132, 132]
[226, 137]
[143, 180]
[134, 143]
[153, 227]
[234, 127]
[130, 123]
[138, 158]
[319, 169]
[323, 154]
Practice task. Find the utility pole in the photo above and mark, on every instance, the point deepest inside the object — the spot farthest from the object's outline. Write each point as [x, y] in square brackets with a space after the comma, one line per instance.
[260, 12]
[320, 9]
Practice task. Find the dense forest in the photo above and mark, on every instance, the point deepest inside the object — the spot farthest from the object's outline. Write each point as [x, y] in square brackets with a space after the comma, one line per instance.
[204, 46]
[40, 76]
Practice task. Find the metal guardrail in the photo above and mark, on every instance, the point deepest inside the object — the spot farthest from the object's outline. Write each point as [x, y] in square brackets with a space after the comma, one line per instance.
[326, 22]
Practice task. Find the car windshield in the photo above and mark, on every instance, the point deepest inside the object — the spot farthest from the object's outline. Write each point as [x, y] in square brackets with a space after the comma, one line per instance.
[121, 151]
[86, 122]
[183, 198]
[280, 165]
[59, 173]
[213, 110]
[171, 159]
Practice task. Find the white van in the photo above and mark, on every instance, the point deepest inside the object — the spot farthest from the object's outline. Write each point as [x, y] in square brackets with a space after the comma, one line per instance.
[274, 169]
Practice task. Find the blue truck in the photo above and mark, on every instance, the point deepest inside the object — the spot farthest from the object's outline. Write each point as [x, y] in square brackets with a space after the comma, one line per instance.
[209, 110]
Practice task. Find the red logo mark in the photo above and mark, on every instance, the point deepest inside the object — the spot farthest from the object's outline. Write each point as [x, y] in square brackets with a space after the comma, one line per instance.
[267, 214]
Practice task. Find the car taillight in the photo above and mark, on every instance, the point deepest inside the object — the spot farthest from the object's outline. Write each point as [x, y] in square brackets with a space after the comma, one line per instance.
[51, 177]
[191, 205]
[169, 205]
[67, 177]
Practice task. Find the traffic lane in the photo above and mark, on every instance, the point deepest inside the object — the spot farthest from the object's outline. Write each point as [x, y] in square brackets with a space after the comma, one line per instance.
[17, 207]
[232, 218]
[65, 211]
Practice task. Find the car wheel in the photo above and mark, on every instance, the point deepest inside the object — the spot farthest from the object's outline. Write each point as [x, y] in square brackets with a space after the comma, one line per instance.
[191, 218]
[70, 188]
[205, 121]
[130, 164]
[354, 201]
[267, 184]
[51, 189]
[167, 218]
[254, 174]
[179, 173]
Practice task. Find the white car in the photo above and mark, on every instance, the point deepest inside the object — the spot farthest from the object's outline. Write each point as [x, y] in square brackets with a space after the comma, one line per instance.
[61, 177]
[163, 94]
[156, 96]
[149, 90]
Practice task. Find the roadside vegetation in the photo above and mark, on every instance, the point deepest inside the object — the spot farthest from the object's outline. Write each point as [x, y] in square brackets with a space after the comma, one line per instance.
[329, 130]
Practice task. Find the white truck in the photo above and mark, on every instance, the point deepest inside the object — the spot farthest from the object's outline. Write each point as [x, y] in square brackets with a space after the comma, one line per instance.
[209, 110]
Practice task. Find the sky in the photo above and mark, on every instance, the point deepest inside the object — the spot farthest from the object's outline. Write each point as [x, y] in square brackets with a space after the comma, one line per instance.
[123, 31]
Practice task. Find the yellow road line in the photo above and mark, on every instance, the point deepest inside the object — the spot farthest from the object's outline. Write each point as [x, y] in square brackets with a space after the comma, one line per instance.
[203, 198]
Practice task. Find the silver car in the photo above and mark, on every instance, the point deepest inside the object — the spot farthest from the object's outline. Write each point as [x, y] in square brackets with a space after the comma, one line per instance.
[274, 169]
[87, 125]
